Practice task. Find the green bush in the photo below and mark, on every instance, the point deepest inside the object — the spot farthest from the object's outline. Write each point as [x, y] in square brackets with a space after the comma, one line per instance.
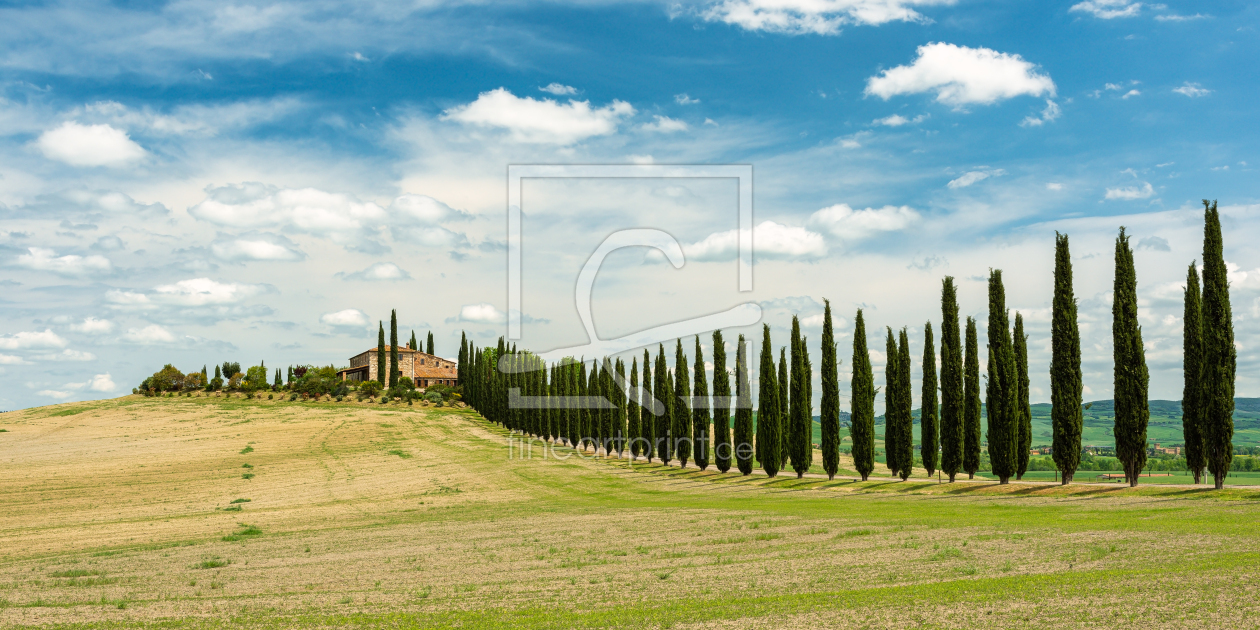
[370, 389]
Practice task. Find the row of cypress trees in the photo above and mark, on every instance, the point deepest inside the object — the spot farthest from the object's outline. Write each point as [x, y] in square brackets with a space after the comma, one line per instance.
[667, 414]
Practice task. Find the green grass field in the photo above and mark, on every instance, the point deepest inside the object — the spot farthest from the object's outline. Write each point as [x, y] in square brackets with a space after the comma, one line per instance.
[133, 513]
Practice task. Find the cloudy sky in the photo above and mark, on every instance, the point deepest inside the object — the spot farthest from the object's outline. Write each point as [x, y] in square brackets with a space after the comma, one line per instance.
[193, 182]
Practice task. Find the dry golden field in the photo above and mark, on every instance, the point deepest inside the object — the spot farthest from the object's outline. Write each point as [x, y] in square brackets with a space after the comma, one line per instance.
[138, 512]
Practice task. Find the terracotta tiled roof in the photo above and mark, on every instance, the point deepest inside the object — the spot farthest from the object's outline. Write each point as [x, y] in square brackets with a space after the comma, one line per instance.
[425, 371]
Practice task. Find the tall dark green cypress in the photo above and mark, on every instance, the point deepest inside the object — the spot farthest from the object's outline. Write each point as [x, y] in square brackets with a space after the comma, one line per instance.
[800, 446]
[785, 418]
[583, 413]
[430, 348]
[743, 411]
[1192, 402]
[928, 428]
[1220, 356]
[634, 412]
[382, 368]
[971, 402]
[862, 402]
[722, 454]
[664, 422]
[700, 411]
[768, 414]
[1023, 410]
[393, 348]
[1131, 377]
[829, 411]
[905, 402]
[682, 405]
[648, 409]
[1001, 391]
[463, 355]
[412, 343]
[1066, 385]
[619, 414]
[892, 381]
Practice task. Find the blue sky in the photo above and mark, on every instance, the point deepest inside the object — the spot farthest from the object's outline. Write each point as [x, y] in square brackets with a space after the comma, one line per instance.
[193, 182]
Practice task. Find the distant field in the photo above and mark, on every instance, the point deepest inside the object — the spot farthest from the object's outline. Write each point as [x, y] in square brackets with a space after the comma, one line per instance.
[217, 513]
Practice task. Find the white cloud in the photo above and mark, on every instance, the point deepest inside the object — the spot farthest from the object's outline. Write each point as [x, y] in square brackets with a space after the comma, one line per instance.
[349, 318]
[559, 89]
[41, 259]
[424, 210]
[1130, 94]
[845, 223]
[770, 240]
[961, 76]
[1180, 18]
[59, 395]
[89, 145]
[149, 335]
[1193, 90]
[255, 247]
[540, 121]
[897, 120]
[340, 218]
[204, 292]
[971, 177]
[101, 383]
[665, 124]
[379, 271]
[1131, 192]
[483, 313]
[821, 17]
[9, 359]
[69, 354]
[1108, 9]
[1054, 186]
[46, 339]
[1049, 114]
[683, 99]
[358, 56]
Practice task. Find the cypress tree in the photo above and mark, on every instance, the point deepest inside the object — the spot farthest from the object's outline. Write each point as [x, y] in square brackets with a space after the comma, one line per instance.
[682, 405]
[1220, 356]
[829, 413]
[768, 421]
[583, 414]
[664, 421]
[619, 414]
[721, 406]
[647, 410]
[412, 343]
[785, 418]
[891, 405]
[393, 348]
[1192, 366]
[205, 378]
[288, 375]
[951, 382]
[1131, 377]
[1065, 366]
[463, 355]
[1023, 410]
[800, 448]
[700, 411]
[278, 382]
[1001, 391]
[381, 367]
[430, 350]
[927, 403]
[633, 412]
[905, 400]
[743, 411]
[971, 402]
[862, 402]
[598, 413]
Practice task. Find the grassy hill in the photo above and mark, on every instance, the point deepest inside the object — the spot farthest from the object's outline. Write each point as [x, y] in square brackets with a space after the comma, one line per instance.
[211, 512]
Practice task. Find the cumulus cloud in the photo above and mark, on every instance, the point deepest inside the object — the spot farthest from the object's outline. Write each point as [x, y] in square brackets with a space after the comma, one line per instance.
[1193, 90]
[424, 210]
[1108, 9]
[821, 17]
[32, 339]
[1154, 243]
[348, 318]
[89, 145]
[101, 383]
[843, 222]
[339, 218]
[91, 205]
[380, 271]
[69, 354]
[9, 359]
[204, 291]
[259, 246]
[971, 177]
[665, 124]
[1131, 192]
[52, 393]
[1049, 114]
[1170, 17]
[962, 76]
[483, 313]
[41, 259]
[201, 299]
[543, 121]
[683, 99]
[559, 89]
[1054, 186]
[897, 120]
[149, 335]
[770, 241]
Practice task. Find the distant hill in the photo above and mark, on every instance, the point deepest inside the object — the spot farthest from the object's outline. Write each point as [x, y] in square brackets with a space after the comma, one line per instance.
[1100, 417]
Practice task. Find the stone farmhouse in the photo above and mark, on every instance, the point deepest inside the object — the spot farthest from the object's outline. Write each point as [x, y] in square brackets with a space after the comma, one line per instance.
[422, 368]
